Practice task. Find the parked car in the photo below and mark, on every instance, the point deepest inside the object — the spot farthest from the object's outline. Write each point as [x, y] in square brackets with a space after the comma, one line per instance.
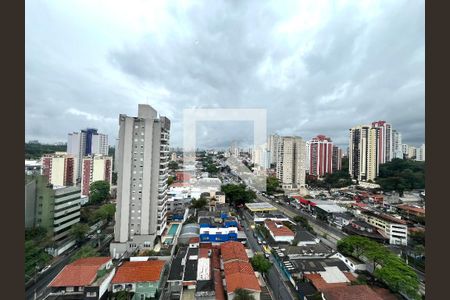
[45, 269]
[267, 255]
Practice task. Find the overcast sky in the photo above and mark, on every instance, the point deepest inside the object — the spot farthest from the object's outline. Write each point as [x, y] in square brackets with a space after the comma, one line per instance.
[318, 67]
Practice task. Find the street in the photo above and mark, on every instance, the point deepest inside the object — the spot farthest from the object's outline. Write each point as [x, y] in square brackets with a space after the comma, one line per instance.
[277, 280]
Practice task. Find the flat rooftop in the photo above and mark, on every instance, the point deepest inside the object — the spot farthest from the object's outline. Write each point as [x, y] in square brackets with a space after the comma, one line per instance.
[260, 206]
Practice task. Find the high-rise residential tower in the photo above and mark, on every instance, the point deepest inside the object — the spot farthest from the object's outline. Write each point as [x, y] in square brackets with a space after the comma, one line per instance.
[142, 180]
[95, 167]
[384, 141]
[86, 142]
[320, 156]
[290, 162]
[363, 155]
[272, 146]
[60, 168]
[337, 158]
[397, 144]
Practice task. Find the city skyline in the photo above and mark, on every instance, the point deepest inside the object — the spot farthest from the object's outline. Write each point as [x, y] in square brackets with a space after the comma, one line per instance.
[317, 70]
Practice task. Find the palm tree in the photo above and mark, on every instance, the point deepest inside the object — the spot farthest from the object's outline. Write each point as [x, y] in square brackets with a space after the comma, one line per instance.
[242, 294]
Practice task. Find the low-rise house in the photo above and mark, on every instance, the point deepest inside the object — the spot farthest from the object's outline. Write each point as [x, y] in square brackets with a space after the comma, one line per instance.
[279, 232]
[143, 278]
[85, 278]
[238, 271]
[394, 228]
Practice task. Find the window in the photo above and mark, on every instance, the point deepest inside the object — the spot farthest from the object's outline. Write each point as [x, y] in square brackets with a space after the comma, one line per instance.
[69, 289]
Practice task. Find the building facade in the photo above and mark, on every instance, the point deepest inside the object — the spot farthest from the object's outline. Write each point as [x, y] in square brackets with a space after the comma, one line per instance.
[384, 141]
[320, 156]
[60, 168]
[397, 144]
[290, 162]
[337, 158]
[273, 143]
[420, 153]
[86, 142]
[363, 152]
[95, 168]
[142, 180]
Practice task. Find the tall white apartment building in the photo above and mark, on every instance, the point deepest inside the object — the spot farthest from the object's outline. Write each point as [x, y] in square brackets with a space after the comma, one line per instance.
[364, 152]
[60, 168]
[308, 155]
[397, 144]
[260, 157]
[420, 153]
[99, 144]
[272, 145]
[290, 162]
[142, 181]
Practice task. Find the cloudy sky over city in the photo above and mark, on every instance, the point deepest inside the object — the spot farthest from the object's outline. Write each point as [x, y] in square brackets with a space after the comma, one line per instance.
[318, 67]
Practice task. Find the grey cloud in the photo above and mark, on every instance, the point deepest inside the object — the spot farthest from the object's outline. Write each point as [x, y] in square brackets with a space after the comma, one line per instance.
[228, 54]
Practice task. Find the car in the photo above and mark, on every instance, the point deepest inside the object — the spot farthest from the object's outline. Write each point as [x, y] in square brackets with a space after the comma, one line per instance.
[259, 241]
[267, 255]
[264, 242]
[45, 269]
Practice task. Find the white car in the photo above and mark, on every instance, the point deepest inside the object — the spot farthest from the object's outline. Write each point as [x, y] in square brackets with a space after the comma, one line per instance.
[45, 269]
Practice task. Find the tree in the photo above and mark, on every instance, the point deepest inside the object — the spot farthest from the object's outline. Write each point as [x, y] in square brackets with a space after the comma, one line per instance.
[272, 184]
[303, 222]
[106, 212]
[173, 165]
[114, 178]
[243, 294]
[85, 251]
[79, 231]
[170, 180]
[401, 175]
[200, 203]
[99, 192]
[260, 263]
[237, 194]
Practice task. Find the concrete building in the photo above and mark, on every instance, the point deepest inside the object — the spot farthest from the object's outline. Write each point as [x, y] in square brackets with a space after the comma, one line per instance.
[273, 143]
[290, 165]
[261, 157]
[308, 154]
[32, 167]
[56, 209]
[87, 141]
[337, 158]
[60, 168]
[279, 232]
[142, 180]
[85, 278]
[95, 168]
[384, 141]
[363, 152]
[397, 144]
[395, 229]
[420, 153]
[320, 156]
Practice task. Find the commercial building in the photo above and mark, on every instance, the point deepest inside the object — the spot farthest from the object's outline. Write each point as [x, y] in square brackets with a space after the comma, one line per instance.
[290, 162]
[142, 180]
[95, 168]
[393, 228]
[364, 157]
[55, 209]
[218, 228]
[143, 278]
[60, 168]
[320, 156]
[86, 142]
[279, 232]
[337, 158]
[85, 278]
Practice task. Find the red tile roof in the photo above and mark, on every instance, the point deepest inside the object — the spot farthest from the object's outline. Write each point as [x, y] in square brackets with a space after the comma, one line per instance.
[238, 267]
[412, 208]
[351, 292]
[321, 285]
[139, 271]
[241, 280]
[203, 252]
[233, 251]
[82, 272]
[194, 240]
[215, 259]
[218, 286]
[278, 229]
